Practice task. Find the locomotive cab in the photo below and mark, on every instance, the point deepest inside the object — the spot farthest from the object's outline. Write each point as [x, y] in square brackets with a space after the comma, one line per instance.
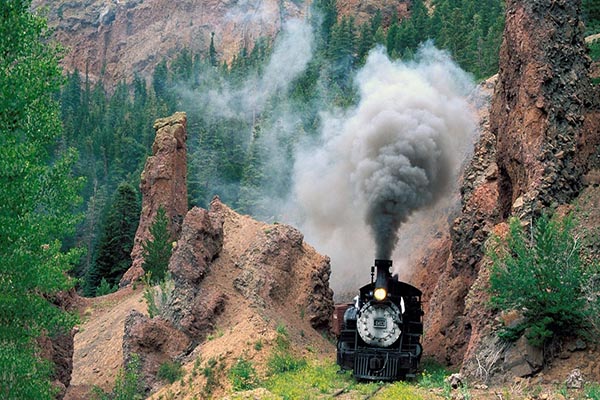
[381, 331]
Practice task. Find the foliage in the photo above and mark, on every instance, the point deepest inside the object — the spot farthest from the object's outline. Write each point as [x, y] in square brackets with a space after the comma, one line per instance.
[169, 371]
[281, 358]
[592, 391]
[157, 297]
[591, 16]
[128, 385]
[543, 278]
[243, 375]
[113, 256]
[595, 50]
[157, 251]
[37, 198]
[105, 288]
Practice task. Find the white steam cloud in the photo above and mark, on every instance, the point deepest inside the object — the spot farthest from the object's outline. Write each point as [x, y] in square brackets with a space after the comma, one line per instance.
[397, 152]
[283, 67]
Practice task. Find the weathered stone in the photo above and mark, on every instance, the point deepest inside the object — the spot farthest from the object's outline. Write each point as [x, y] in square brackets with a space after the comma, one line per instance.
[522, 359]
[193, 308]
[575, 379]
[154, 341]
[163, 184]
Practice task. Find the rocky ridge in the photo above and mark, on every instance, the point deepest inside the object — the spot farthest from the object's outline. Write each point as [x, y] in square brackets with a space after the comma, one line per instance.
[113, 39]
[537, 150]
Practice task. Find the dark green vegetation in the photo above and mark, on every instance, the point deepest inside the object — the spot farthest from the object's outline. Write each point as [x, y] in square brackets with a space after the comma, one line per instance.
[591, 16]
[541, 275]
[113, 257]
[169, 371]
[37, 198]
[157, 251]
[241, 151]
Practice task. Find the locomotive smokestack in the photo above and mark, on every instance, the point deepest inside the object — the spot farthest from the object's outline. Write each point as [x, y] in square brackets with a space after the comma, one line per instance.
[381, 282]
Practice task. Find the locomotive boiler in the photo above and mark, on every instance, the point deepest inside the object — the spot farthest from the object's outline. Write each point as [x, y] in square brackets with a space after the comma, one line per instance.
[379, 335]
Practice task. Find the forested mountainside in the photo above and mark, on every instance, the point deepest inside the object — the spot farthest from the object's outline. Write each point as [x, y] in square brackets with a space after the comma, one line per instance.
[247, 113]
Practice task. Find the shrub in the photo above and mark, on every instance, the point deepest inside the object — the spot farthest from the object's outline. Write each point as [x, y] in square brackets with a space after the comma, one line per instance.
[281, 359]
[157, 298]
[127, 385]
[169, 371]
[105, 288]
[157, 252]
[543, 278]
[243, 375]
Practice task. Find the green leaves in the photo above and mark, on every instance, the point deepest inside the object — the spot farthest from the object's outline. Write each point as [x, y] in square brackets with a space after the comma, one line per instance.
[157, 251]
[540, 274]
[37, 198]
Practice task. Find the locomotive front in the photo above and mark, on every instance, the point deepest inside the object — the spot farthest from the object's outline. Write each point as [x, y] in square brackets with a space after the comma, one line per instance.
[379, 337]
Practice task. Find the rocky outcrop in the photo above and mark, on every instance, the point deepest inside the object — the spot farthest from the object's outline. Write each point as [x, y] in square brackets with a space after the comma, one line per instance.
[542, 138]
[273, 269]
[192, 307]
[539, 109]
[154, 341]
[113, 40]
[163, 183]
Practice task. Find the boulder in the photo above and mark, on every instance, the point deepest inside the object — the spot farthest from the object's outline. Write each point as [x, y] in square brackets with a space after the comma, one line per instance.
[155, 341]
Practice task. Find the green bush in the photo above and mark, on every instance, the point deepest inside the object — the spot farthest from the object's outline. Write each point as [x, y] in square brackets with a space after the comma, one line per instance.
[281, 359]
[169, 371]
[157, 297]
[105, 288]
[541, 275]
[128, 384]
[243, 375]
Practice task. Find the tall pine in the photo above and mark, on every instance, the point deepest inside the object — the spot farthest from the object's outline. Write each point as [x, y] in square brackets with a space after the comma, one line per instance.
[37, 198]
[113, 256]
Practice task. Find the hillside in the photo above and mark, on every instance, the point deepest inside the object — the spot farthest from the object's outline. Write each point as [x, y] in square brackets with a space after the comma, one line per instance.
[245, 292]
[114, 40]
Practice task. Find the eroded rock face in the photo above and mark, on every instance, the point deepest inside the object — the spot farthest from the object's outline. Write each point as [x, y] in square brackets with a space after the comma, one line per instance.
[113, 40]
[163, 183]
[154, 341]
[539, 140]
[540, 105]
[192, 308]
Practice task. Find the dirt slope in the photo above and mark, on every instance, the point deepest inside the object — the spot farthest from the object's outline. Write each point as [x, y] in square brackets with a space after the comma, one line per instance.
[98, 354]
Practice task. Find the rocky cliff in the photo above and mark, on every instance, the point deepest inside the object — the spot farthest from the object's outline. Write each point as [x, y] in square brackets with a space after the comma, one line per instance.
[534, 152]
[115, 39]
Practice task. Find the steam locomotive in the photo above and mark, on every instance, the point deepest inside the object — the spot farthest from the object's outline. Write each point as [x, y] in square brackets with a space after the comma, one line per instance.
[379, 336]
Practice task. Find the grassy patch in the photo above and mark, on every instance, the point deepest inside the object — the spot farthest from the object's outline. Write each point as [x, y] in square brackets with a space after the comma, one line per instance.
[169, 371]
[243, 375]
[307, 382]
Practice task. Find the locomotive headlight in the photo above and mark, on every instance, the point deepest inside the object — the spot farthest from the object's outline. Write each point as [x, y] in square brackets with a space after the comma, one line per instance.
[380, 294]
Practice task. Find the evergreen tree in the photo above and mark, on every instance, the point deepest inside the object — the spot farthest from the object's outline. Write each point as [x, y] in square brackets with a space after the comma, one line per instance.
[157, 251]
[113, 256]
[212, 52]
[37, 196]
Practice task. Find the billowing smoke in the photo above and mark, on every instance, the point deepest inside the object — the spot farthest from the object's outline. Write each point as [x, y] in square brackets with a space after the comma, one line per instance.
[282, 68]
[396, 152]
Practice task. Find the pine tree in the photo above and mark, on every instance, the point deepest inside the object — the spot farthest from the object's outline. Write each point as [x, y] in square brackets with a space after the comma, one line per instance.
[113, 256]
[157, 251]
[37, 197]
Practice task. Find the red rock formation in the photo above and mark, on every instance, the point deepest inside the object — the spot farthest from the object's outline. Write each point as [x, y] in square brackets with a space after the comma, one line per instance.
[543, 137]
[154, 341]
[163, 183]
[192, 308]
[539, 109]
[115, 39]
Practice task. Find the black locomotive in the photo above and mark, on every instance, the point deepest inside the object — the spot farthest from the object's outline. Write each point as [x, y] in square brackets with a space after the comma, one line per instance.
[380, 336]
